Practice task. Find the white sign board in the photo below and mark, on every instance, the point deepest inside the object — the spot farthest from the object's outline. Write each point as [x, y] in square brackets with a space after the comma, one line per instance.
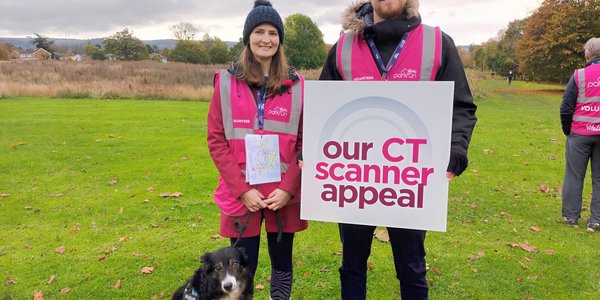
[376, 153]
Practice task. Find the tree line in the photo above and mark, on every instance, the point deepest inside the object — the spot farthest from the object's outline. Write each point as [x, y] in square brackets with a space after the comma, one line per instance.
[304, 46]
[546, 46]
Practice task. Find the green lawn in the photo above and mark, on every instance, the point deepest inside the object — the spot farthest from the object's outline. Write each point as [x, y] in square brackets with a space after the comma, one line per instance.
[87, 175]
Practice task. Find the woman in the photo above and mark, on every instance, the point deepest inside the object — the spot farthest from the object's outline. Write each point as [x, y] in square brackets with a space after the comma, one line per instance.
[256, 103]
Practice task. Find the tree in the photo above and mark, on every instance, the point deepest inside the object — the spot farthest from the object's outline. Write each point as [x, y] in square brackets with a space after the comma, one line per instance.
[236, 50]
[551, 47]
[189, 52]
[94, 52]
[5, 52]
[217, 50]
[304, 43]
[43, 42]
[184, 31]
[124, 46]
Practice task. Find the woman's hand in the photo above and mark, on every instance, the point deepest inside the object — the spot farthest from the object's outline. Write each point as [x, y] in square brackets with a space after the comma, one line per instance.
[277, 199]
[253, 199]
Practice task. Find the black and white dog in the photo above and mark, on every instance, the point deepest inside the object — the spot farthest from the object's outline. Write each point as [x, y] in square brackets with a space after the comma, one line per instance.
[223, 275]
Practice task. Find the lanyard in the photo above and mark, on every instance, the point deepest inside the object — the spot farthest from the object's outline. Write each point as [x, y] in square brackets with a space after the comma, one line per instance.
[385, 70]
[260, 105]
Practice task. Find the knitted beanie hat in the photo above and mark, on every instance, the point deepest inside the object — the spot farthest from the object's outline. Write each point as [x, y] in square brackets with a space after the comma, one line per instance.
[263, 12]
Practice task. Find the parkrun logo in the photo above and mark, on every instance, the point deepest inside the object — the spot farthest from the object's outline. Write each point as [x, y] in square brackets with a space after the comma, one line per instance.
[594, 84]
[406, 74]
[278, 111]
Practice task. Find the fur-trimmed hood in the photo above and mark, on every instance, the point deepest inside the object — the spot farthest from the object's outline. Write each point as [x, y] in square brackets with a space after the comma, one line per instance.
[359, 14]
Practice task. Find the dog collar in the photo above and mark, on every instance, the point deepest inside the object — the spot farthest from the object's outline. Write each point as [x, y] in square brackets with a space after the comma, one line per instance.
[190, 293]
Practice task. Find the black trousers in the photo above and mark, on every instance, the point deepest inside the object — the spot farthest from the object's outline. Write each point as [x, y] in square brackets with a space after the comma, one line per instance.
[409, 259]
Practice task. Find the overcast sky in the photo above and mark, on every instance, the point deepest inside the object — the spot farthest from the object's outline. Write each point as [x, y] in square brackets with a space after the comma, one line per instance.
[467, 21]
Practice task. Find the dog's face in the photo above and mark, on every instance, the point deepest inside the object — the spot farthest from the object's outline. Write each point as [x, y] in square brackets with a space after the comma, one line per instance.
[226, 268]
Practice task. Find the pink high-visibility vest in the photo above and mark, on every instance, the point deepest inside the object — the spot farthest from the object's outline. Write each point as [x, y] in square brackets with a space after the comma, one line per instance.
[282, 117]
[419, 60]
[586, 118]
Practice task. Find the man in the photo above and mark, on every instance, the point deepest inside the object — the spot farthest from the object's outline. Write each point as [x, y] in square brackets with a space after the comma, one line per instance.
[509, 77]
[580, 118]
[385, 40]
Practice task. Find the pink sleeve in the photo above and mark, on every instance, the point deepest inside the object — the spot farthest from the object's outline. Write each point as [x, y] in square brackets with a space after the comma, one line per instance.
[219, 147]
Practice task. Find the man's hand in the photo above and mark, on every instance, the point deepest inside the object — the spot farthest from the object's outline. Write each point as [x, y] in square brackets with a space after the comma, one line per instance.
[253, 199]
[278, 199]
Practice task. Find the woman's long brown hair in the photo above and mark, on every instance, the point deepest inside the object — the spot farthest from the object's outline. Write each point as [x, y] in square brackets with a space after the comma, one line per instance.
[252, 70]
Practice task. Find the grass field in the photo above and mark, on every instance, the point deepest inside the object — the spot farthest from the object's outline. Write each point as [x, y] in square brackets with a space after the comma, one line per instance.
[81, 213]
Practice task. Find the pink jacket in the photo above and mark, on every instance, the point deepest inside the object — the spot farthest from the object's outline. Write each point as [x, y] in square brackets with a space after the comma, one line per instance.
[232, 115]
[586, 117]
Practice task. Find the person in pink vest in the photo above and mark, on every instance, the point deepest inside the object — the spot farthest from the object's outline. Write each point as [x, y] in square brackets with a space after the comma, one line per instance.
[385, 40]
[580, 119]
[254, 135]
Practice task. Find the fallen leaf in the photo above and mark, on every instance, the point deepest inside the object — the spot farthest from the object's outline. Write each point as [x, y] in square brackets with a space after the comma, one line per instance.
[74, 230]
[4, 195]
[171, 195]
[535, 229]
[551, 157]
[324, 270]
[370, 267]
[305, 274]
[154, 225]
[529, 248]
[29, 246]
[9, 281]
[146, 201]
[110, 250]
[121, 210]
[17, 144]
[525, 246]
[472, 258]
[430, 282]
[57, 195]
[528, 258]
[101, 258]
[259, 287]
[60, 250]
[474, 205]
[65, 290]
[123, 239]
[488, 151]
[137, 254]
[150, 189]
[544, 188]
[51, 279]
[523, 266]
[38, 295]
[113, 181]
[436, 271]
[117, 284]
[147, 270]
[185, 158]
[520, 279]
[550, 252]
[382, 235]
[215, 236]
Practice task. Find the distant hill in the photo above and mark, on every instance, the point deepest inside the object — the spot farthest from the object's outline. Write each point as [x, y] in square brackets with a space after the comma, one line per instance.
[73, 43]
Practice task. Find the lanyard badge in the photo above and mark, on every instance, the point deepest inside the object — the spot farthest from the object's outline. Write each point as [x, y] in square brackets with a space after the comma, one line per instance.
[386, 69]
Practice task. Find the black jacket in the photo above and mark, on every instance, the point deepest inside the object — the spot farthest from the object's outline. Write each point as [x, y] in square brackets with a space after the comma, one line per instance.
[387, 35]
